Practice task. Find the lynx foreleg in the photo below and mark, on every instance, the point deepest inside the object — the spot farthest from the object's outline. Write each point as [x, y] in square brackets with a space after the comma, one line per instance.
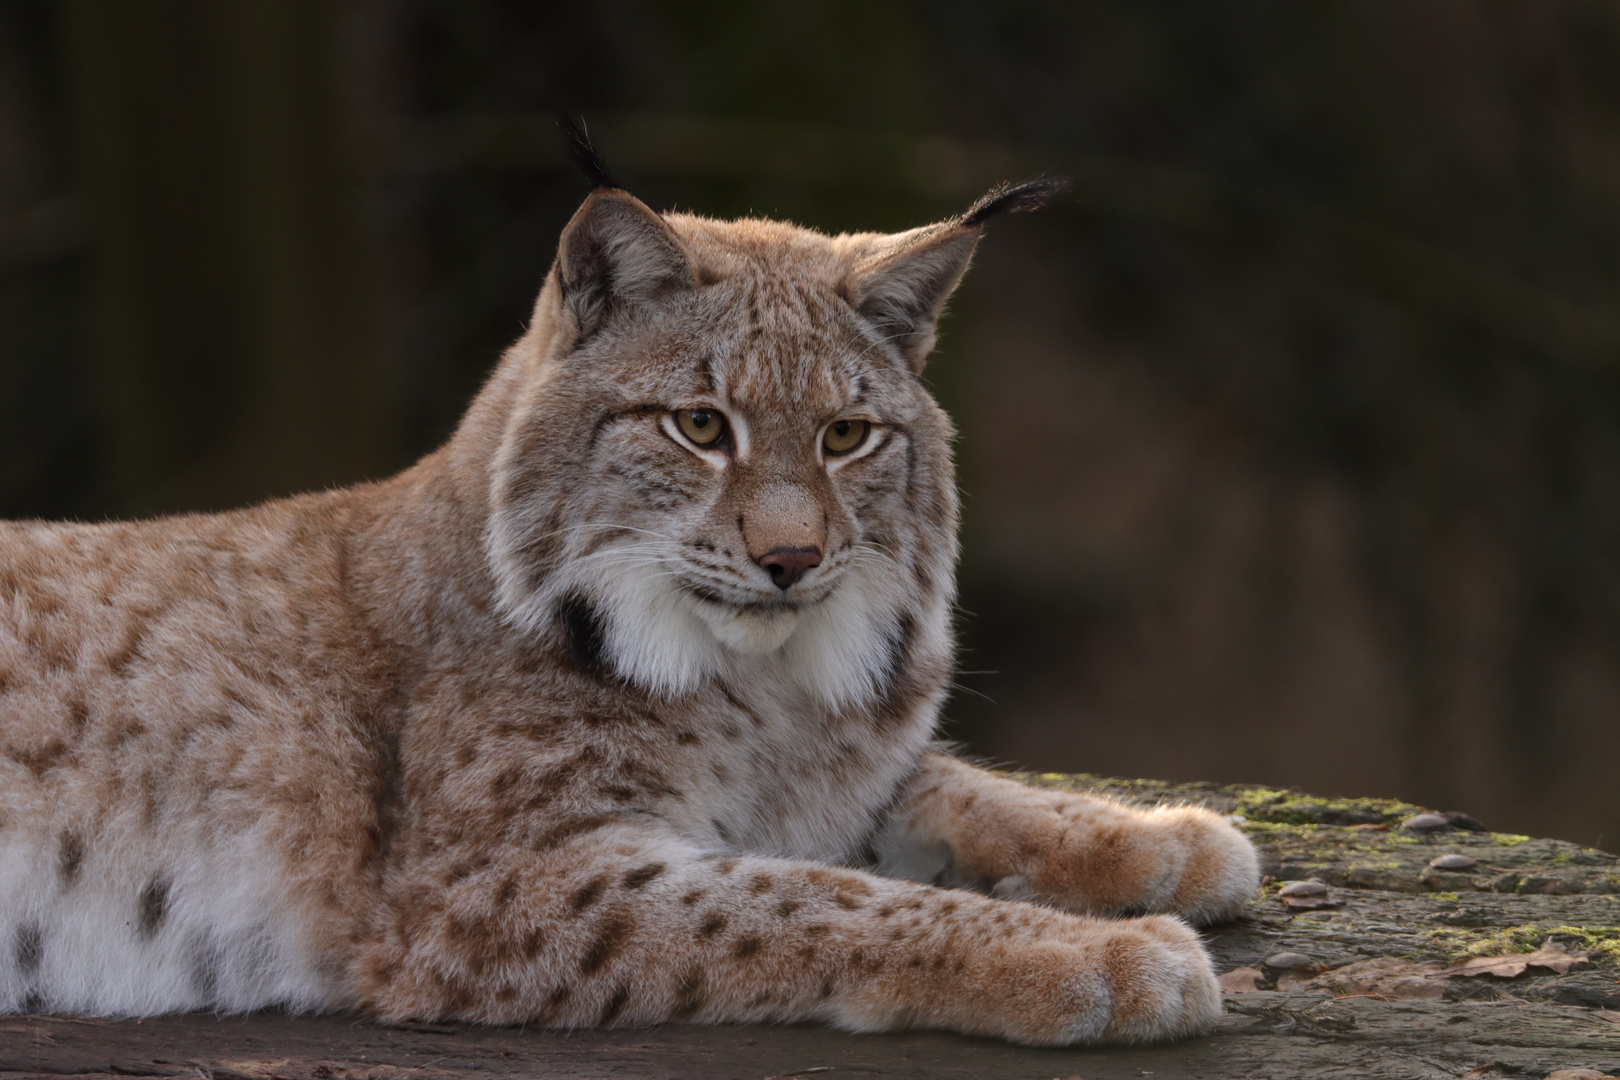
[627, 929]
[961, 825]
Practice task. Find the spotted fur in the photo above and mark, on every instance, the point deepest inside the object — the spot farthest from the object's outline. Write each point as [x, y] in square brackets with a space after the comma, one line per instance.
[529, 733]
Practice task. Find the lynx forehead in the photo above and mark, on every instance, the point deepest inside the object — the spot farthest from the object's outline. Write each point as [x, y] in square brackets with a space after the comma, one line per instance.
[615, 709]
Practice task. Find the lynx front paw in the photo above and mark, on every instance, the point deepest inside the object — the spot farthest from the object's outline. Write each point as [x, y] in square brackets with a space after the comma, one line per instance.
[1091, 981]
[1139, 980]
[1221, 871]
[1163, 982]
[1183, 860]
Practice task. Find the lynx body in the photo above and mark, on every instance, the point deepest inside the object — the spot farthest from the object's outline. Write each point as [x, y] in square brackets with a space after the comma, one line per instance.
[616, 709]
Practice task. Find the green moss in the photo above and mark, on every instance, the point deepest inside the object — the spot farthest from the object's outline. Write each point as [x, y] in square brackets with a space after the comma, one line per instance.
[1293, 808]
[1508, 839]
[1273, 832]
[1602, 942]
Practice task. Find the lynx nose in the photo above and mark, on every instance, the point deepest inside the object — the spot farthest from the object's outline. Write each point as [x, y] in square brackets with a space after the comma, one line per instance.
[789, 564]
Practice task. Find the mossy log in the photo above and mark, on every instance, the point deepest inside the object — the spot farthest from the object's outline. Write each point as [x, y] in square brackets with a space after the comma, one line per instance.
[1393, 973]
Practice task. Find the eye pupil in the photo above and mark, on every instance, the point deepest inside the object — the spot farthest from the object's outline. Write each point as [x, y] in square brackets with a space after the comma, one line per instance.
[841, 428]
[700, 420]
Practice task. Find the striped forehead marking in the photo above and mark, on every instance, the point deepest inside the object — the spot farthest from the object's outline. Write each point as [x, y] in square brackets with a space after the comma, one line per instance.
[792, 345]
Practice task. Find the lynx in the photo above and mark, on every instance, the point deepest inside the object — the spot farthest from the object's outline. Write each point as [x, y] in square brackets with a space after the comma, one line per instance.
[617, 709]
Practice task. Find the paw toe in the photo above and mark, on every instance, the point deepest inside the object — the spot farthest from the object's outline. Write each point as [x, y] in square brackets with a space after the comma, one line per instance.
[1163, 982]
[1222, 870]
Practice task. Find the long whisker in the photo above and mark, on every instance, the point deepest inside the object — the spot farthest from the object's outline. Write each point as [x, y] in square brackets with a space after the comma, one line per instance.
[957, 686]
[597, 526]
[632, 528]
[642, 560]
[869, 549]
[636, 549]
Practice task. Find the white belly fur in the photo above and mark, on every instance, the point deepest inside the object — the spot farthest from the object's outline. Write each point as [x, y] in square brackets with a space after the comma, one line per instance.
[228, 938]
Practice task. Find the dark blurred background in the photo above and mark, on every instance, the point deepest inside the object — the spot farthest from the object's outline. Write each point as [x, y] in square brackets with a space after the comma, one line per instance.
[1291, 441]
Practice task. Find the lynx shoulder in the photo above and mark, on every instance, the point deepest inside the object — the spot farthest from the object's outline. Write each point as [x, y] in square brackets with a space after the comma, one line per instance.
[616, 709]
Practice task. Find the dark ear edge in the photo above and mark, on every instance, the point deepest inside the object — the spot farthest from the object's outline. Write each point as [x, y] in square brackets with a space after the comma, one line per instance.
[1014, 196]
[577, 141]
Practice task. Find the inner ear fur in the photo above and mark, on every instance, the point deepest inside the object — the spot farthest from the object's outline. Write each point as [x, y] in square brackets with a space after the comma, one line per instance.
[615, 253]
[901, 288]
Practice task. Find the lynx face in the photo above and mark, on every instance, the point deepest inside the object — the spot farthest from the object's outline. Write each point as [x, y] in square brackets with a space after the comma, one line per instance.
[731, 464]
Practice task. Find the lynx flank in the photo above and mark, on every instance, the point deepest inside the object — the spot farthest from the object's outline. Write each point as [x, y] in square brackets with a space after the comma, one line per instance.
[614, 710]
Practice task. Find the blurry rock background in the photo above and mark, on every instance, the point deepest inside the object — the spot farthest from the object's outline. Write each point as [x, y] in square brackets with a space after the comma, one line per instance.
[1291, 441]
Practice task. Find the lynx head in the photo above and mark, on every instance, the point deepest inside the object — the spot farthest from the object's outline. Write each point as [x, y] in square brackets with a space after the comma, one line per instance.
[721, 459]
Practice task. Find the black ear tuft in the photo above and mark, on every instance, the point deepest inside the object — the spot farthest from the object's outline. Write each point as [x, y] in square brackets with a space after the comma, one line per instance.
[578, 143]
[1011, 197]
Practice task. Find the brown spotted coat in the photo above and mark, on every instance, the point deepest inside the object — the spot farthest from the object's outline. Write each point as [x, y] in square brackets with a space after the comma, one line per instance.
[528, 733]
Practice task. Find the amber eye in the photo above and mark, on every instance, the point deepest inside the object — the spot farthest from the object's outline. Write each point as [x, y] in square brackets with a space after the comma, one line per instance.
[702, 426]
[845, 435]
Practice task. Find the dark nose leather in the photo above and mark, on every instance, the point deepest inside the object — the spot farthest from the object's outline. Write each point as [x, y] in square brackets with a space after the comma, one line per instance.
[788, 564]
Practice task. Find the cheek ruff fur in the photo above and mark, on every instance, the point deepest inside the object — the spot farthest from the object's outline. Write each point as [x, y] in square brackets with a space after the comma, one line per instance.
[836, 651]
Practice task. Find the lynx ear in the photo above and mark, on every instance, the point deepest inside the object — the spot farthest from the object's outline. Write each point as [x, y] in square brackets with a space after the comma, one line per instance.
[616, 252]
[902, 287]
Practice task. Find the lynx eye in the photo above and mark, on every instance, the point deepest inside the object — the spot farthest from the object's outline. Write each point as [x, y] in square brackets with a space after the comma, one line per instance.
[702, 426]
[842, 436]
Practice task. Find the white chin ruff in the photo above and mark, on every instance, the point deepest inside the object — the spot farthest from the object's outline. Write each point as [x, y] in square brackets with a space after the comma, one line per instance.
[837, 651]
[751, 632]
